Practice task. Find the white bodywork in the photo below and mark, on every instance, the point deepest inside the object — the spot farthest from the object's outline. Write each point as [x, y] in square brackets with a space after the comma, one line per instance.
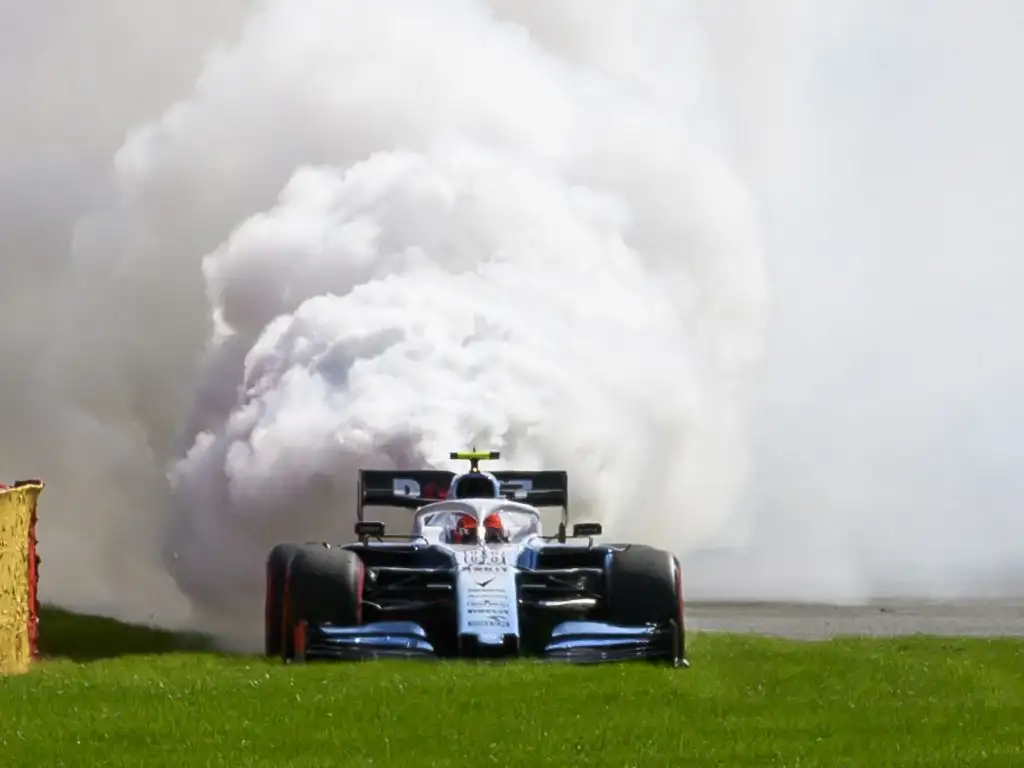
[487, 590]
[486, 580]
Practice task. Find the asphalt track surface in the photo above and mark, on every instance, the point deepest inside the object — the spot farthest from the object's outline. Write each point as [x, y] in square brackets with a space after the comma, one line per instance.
[885, 618]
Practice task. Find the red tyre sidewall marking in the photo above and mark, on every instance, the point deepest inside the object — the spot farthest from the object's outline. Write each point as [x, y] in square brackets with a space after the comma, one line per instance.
[300, 639]
[360, 582]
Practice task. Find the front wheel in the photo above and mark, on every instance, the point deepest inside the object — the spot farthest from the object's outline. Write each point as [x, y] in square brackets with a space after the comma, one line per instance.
[278, 561]
[323, 586]
[645, 586]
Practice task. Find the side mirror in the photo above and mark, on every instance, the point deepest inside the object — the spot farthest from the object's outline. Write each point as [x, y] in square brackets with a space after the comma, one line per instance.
[369, 528]
[586, 529]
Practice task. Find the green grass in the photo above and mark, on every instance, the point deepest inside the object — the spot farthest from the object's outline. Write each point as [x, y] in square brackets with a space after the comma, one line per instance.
[71, 636]
[132, 697]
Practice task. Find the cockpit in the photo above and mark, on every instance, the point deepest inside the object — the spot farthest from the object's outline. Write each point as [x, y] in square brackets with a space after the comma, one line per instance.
[465, 529]
[476, 511]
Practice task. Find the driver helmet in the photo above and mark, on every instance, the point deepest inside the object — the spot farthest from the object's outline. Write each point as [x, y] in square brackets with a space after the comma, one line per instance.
[465, 530]
[494, 529]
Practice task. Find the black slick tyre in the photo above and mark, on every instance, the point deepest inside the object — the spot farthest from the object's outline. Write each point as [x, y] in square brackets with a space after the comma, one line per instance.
[322, 585]
[645, 587]
[273, 621]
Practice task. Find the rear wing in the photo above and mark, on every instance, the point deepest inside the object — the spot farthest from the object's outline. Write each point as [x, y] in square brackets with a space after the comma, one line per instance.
[539, 488]
[412, 489]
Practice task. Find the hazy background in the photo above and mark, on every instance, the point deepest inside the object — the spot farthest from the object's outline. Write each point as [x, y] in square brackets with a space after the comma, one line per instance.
[719, 233]
[888, 416]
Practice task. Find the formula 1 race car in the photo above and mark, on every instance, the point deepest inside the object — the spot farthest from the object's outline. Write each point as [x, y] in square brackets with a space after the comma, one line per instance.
[475, 578]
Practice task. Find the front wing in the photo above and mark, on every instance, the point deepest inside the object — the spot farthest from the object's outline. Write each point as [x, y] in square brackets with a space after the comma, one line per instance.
[572, 641]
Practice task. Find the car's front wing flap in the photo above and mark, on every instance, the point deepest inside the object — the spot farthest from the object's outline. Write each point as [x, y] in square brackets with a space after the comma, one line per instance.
[595, 641]
[573, 641]
[401, 639]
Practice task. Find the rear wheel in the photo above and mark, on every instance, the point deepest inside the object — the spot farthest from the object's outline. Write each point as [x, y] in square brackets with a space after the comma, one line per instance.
[645, 587]
[322, 586]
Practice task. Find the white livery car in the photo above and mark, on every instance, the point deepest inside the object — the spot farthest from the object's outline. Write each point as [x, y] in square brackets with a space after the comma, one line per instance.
[475, 578]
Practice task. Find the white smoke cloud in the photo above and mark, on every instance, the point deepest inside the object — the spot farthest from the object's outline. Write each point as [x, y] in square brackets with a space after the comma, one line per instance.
[74, 78]
[481, 224]
[887, 432]
[529, 254]
[340, 234]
